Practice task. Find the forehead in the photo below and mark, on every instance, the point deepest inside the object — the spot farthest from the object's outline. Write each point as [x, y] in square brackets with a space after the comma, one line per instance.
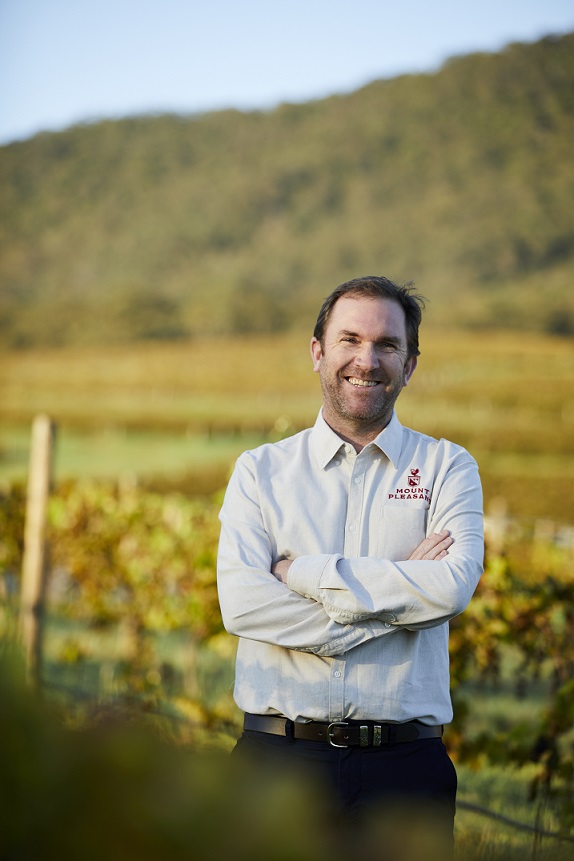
[370, 317]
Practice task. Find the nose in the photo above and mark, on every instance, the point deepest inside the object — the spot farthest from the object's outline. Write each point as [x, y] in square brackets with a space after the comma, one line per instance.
[366, 357]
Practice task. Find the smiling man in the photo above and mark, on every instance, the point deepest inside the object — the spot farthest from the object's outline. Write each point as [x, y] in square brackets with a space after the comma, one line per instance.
[363, 360]
[344, 552]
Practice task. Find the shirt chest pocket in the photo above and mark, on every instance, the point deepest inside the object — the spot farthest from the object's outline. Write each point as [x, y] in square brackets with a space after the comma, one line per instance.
[403, 527]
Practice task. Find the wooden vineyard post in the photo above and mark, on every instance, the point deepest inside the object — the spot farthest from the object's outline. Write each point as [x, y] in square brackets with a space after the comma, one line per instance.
[496, 526]
[35, 558]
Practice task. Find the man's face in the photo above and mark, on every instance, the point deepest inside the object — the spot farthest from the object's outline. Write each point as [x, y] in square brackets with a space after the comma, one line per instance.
[362, 363]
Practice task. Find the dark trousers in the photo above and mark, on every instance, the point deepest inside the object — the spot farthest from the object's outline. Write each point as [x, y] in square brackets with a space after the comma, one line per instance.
[399, 797]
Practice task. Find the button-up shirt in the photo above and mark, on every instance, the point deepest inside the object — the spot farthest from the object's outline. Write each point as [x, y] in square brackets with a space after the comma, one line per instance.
[358, 631]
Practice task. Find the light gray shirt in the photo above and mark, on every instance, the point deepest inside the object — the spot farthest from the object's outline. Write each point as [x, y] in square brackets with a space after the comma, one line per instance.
[358, 631]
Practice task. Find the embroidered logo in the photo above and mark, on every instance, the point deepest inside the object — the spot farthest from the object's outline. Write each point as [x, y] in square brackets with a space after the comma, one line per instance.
[414, 478]
[413, 488]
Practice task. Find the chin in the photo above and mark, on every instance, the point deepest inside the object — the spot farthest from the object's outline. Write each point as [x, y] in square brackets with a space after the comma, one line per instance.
[371, 416]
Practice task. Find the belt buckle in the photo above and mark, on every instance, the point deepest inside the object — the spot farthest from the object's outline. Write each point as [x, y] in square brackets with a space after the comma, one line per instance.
[330, 732]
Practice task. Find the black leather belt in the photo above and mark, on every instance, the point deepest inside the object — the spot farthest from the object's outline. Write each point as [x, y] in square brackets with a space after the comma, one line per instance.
[366, 733]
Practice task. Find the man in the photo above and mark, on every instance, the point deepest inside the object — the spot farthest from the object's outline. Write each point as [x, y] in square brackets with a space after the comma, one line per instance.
[344, 551]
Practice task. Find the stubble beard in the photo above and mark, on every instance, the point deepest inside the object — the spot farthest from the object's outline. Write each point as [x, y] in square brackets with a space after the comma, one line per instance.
[374, 413]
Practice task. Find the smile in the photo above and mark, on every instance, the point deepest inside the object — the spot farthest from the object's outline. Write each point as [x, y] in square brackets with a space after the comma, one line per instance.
[355, 381]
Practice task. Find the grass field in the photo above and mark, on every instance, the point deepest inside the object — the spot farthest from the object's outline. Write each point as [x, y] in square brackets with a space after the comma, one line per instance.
[180, 413]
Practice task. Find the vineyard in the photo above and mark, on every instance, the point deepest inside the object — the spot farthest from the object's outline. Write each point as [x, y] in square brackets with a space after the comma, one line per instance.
[179, 414]
[134, 627]
[135, 706]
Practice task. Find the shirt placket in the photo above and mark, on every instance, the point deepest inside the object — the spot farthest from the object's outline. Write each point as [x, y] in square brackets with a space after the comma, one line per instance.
[355, 467]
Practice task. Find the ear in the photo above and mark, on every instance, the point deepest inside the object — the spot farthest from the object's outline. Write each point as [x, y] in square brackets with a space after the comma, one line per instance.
[409, 369]
[316, 354]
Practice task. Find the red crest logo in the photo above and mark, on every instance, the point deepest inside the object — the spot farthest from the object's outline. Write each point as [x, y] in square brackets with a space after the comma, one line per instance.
[414, 478]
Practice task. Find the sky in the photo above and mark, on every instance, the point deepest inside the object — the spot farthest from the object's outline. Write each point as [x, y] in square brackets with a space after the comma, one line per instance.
[68, 61]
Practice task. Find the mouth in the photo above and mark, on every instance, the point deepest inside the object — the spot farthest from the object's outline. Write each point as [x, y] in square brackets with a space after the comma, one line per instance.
[362, 384]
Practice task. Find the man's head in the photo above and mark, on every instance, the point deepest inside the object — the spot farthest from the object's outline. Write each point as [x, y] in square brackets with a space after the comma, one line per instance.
[365, 350]
[377, 287]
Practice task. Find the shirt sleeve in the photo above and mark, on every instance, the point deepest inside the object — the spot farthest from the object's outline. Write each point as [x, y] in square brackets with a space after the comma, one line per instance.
[409, 594]
[254, 603]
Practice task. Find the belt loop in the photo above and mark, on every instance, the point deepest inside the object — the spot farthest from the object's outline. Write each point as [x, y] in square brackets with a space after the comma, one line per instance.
[290, 730]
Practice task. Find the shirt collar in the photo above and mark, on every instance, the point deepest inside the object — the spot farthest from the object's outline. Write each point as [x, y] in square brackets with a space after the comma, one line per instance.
[326, 443]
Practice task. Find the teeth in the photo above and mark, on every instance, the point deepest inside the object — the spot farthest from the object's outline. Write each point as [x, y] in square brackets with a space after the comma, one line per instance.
[355, 381]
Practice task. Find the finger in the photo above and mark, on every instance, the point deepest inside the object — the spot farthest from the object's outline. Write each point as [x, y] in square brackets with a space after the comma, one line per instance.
[438, 552]
[433, 540]
[432, 545]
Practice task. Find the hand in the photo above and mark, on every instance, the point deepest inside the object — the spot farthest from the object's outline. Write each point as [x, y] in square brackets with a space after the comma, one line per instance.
[280, 569]
[435, 547]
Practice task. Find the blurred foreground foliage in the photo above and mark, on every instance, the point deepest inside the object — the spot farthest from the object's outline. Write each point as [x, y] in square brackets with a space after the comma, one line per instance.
[117, 789]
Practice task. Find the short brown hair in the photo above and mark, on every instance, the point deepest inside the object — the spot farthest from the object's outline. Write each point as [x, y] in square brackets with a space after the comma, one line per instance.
[378, 287]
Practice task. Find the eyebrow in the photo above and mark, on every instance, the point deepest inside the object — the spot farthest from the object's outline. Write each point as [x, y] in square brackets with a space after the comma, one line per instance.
[386, 339]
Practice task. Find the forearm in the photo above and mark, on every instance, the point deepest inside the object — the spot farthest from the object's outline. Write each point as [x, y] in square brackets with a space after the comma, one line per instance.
[257, 606]
[411, 594]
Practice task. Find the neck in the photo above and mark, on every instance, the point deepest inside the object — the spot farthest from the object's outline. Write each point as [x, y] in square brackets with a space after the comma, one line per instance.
[358, 434]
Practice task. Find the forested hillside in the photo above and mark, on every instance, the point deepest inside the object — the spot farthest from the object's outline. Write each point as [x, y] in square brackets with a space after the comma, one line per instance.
[171, 226]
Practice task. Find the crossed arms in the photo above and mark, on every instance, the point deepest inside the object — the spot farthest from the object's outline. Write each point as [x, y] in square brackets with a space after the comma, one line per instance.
[327, 604]
[433, 548]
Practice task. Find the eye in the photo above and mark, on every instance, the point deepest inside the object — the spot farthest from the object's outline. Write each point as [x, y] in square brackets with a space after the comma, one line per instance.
[388, 347]
[349, 340]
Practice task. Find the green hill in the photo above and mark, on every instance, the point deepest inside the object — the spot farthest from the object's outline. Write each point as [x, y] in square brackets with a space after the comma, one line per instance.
[172, 226]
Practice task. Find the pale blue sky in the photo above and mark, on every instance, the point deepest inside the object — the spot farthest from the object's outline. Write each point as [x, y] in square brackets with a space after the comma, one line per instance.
[68, 61]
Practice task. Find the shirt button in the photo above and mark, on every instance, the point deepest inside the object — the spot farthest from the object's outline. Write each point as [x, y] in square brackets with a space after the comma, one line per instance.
[352, 527]
[387, 625]
[337, 674]
[358, 480]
